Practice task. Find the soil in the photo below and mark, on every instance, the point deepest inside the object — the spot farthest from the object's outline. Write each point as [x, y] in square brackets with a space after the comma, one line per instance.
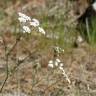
[33, 79]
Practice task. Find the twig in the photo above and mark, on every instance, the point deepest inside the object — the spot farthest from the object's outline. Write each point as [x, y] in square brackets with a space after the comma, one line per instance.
[7, 74]
[17, 41]
[7, 57]
[7, 70]
[20, 62]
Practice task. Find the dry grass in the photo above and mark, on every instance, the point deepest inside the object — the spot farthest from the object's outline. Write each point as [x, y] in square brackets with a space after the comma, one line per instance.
[33, 77]
[37, 79]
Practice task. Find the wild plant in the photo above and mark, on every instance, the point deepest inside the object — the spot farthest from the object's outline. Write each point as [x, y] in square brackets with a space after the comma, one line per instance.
[27, 24]
[57, 63]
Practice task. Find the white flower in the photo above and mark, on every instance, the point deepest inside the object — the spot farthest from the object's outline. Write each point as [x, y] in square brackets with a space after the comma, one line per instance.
[41, 30]
[51, 65]
[51, 62]
[62, 50]
[21, 14]
[36, 21]
[26, 29]
[61, 64]
[33, 24]
[27, 18]
[94, 5]
[61, 68]
[58, 60]
[56, 63]
[22, 19]
[58, 49]
[79, 39]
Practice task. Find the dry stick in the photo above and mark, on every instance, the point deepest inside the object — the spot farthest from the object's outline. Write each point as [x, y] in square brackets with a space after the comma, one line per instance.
[20, 62]
[5, 49]
[6, 75]
[7, 57]
[17, 41]
[14, 69]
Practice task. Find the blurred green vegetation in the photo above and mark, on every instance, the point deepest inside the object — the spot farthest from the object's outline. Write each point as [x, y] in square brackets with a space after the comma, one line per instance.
[88, 31]
[92, 33]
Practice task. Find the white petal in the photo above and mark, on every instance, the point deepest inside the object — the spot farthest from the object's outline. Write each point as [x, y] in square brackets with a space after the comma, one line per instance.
[80, 39]
[61, 64]
[36, 21]
[24, 16]
[63, 50]
[51, 62]
[21, 14]
[56, 64]
[61, 68]
[26, 29]
[50, 65]
[58, 60]
[57, 49]
[33, 24]
[41, 30]
[28, 18]
[22, 20]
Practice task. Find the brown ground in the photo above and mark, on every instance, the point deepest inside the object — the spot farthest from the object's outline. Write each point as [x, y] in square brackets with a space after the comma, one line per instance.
[39, 80]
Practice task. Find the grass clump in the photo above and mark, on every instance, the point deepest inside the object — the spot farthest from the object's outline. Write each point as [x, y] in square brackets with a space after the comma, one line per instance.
[92, 33]
[88, 31]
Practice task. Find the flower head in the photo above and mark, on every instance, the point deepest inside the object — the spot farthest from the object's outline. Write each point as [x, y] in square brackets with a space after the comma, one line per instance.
[54, 62]
[58, 60]
[26, 29]
[50, 64]
[36, 21]
[58, 49]
[23, 18]
[41, 30]
[61, 64]
[27, 22]
[33, 24]
[79, 39]
[58, 64]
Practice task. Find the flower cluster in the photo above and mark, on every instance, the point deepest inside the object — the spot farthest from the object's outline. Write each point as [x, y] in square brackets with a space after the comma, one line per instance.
[27, 22]
[57, 63]
[79, 39]
[58, 49]
[23, 18]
